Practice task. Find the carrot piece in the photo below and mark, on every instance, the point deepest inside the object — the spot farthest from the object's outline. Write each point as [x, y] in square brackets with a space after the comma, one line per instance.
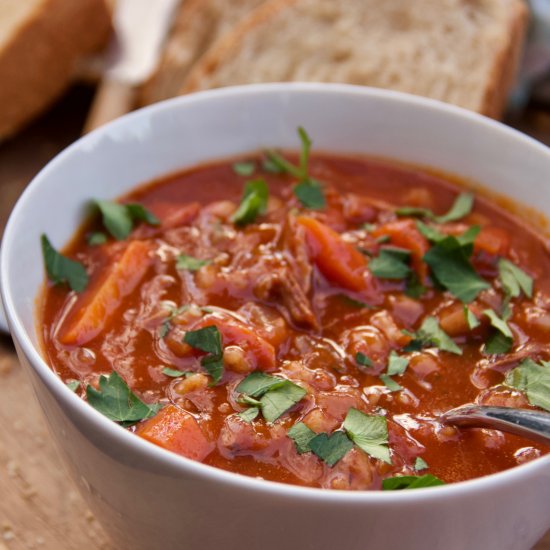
[493, 240]
[177, 431]
[340, 262]
[259, 352]
[95, 306]
[403, 233]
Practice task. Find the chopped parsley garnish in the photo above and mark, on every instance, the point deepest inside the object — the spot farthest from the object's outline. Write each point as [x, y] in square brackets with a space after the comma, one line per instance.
[502, 338]
[244, 168]
[471, 319]
[391, 263]
[430, 333]
[250, 414]
[175, 373]
[413, 287]
[331, 448]
[369, 433]
[534, 380]
[460, 208]
[209, 340]
[497, 343]
[117, 402]
[390, 383]
[96, 238]
[410, 482]
[352, 301]
[308, 190]
[73, 385]
[451, 268]
[119, 219]
[61, 269]
[276, 395]
[363, 359]
[514, 280]
[302, 436]
[189, 263]
[310, 194]
[396, 364]
[420, 464]
[253, 203]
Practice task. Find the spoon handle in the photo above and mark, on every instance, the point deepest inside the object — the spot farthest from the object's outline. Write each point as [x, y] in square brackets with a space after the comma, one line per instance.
[534, 425]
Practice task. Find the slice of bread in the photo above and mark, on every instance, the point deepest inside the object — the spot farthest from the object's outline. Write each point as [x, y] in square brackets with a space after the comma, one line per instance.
[40, 43]
[460, 51]
[198, 24]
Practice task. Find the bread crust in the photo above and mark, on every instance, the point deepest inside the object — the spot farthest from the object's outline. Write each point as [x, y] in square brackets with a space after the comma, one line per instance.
[38, 62]
[194, 30]
[498, 83]
[506, 63]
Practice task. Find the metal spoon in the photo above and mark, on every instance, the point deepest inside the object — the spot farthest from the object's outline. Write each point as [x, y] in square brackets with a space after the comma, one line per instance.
[534, 425]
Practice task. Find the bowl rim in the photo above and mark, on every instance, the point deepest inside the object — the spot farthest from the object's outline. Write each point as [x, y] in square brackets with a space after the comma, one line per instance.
[181, 465]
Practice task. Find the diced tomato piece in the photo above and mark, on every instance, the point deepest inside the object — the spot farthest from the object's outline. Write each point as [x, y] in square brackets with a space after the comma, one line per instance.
[403, 233]
[98, 303]
[259, 352]
[178, 431]
[340, 262]
[493, 240]
[175, 215]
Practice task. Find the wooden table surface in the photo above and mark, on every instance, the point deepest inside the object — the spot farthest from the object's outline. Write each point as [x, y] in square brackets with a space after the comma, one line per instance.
[39, 506]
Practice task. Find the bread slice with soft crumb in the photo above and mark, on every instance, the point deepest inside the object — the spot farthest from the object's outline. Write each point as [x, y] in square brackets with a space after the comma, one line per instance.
[198, 24]
[459, 51]
[40, 43]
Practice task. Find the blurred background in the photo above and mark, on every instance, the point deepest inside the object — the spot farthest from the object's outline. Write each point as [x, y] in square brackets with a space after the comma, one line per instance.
[68, 66]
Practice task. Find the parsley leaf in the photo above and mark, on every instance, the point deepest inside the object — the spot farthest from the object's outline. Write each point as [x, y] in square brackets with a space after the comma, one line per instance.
[310, 194]
[461, 207]
[174, 373]
[397, 364]
[497, 344]
[430, 333]
[363, 360]
[117, 402]
[61, 269]
[514, 280]
[73, 385]
[209, 340]
[430, 232]
[138, 212]
[390, 383]
[277, 401]
[96, 238]
[471, 319]
[185, 262]
[331, 448]
[308, 191]
[258, 383]
[502, 340]
[533, 379]
[451, 268]
[410, 482]
[119, 219]
[244, 168]
[414, 288]
[391, 263]
[302, 436]
[369, 433]
[276, 395]
[420, 464]
[248, 415]
[253, 203]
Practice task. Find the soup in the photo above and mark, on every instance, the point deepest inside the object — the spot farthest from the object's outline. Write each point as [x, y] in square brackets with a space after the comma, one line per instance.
[306, 320]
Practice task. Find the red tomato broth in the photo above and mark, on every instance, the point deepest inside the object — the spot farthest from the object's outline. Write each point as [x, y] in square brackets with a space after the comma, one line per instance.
[357, 191]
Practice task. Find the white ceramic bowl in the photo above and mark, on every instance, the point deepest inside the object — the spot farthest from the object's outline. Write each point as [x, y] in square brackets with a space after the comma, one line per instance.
[148, 498]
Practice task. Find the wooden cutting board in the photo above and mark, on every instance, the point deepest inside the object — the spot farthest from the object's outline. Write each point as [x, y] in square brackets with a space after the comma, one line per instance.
[39, 506]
